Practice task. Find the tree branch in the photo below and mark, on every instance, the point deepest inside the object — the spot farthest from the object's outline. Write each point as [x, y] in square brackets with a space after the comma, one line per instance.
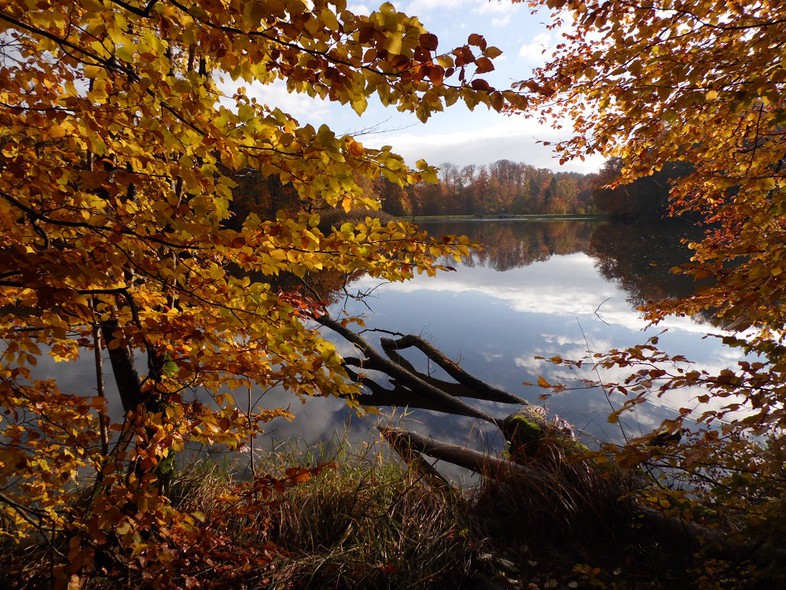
[480, 389]
[143, 12]
[412, 381]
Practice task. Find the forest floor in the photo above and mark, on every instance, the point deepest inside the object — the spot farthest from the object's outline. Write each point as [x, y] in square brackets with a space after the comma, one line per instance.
[362, 519]
[368, 521]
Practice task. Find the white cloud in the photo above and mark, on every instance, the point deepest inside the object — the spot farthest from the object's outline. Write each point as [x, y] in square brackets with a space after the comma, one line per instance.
[501, 21]
[359, 9]
[538, 293]
[513, 138]
[299, 106]
[420, 7]
[497, 7]
[562, 339]
[534, 49]
[673, 400]
[491, 357]
[540, 288]
[538, 48]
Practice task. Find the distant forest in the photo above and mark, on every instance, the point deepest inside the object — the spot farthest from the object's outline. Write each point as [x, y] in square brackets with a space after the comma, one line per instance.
[501, 188]
[510, 188]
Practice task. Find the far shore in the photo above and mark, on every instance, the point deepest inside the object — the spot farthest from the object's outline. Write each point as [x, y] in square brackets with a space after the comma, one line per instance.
[504, 217]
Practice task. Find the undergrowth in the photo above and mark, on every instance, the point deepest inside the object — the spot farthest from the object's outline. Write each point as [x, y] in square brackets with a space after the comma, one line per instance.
[369, 523]
[363, 520]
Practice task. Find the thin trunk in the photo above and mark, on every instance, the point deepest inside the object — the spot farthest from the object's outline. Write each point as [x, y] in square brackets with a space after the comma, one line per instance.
[129, 385]
[102, 417]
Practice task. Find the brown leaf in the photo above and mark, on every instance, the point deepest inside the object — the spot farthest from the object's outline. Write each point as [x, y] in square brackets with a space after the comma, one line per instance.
[429, 41]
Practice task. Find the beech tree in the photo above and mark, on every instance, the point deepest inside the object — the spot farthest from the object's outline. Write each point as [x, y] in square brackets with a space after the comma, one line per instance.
[699, 82]
[117, 158]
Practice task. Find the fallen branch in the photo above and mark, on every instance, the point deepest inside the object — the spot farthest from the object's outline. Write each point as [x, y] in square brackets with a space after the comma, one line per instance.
[412, 381]
[476, 461]
[480, 389]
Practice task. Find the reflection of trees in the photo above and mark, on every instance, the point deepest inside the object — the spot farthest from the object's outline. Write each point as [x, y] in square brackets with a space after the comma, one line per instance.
[511, 244]
[640, 258]
[645, 198]
[637, 256]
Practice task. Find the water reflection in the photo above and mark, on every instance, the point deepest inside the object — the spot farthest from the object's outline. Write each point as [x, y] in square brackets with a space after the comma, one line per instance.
[511, 244]
[640, 258]
[541, 289]
[538, 289]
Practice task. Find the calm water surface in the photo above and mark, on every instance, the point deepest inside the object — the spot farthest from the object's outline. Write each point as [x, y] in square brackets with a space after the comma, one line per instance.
[537, 289]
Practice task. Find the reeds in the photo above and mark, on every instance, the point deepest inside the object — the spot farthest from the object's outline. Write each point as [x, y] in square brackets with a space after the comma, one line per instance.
[369, 523]
[365, 521]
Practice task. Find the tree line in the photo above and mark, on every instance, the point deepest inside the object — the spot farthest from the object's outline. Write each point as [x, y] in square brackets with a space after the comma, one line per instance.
[502, 188]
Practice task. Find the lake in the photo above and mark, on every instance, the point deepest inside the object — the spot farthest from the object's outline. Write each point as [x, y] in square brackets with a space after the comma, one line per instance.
[559, 288]
[545, 289]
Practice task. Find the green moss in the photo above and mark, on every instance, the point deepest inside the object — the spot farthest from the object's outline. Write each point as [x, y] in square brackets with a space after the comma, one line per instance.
[525, 428]
[573, 447]
[525, 431]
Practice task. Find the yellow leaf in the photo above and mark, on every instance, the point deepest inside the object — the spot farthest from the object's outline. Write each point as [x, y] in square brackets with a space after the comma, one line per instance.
[57, 131]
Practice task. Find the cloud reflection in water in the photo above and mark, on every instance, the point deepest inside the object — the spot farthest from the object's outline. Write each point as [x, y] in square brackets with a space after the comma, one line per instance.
[494, 323]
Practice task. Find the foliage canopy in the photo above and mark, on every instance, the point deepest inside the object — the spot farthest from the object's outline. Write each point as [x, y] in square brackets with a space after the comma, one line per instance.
[117, 157]
[699, 82]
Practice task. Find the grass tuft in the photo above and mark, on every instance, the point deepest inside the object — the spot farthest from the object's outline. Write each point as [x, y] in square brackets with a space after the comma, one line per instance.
[369, 524]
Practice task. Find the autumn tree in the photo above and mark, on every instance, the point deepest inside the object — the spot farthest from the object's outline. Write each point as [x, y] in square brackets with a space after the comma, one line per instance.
[701, 83]
[502, 188]
[395, 198]
[118, 159]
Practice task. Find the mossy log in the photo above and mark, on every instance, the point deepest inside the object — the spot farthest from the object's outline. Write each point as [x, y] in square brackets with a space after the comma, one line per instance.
[481, 463]
[532, 435]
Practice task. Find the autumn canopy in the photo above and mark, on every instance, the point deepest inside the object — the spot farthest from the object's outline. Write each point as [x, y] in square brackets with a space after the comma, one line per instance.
[117, 159]
[120, 232]
[698, 84]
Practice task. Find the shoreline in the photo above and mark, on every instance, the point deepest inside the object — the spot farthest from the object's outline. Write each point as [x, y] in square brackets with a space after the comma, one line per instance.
[504, 217]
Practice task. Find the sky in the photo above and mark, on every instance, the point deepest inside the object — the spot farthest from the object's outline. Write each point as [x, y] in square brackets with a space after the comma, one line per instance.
[456, 135]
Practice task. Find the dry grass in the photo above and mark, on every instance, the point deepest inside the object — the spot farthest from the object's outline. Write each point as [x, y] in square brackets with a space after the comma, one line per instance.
[369, 524]
[573, 498]
[365, 523]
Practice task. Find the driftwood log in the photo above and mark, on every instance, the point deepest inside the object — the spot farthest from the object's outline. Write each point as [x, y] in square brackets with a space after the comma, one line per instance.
[481, 463]
[411, 387]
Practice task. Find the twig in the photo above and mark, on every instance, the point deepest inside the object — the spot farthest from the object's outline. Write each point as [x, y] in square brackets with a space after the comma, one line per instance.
[597, 309]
